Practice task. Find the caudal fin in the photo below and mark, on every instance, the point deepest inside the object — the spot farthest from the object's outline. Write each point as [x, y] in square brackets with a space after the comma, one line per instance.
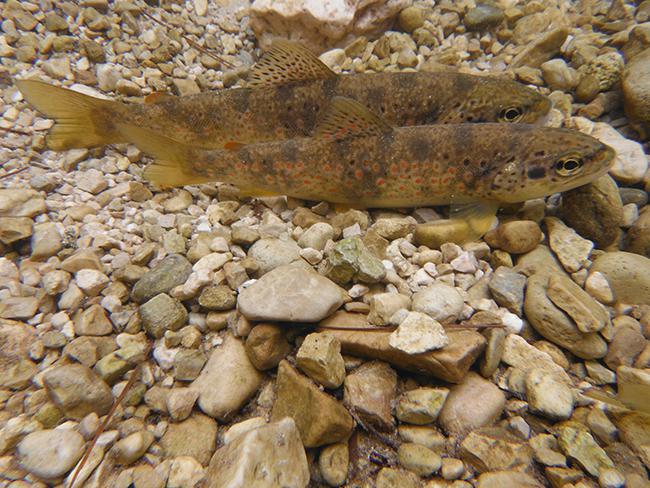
[80, 120]
[172, 158]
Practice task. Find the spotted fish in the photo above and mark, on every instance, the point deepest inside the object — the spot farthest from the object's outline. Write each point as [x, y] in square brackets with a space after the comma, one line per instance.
[288, 91]
[356, 158]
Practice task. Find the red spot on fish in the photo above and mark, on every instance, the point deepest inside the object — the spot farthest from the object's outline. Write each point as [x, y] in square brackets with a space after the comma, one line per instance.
[358, 174]
[380, 182]
[451, 170]
[445, 180]
[404, 165]
[434, 181]
[418, 180]
[300, 165]
[394, 169]
[306, 181]
[269, 179]
[402, 187]
[327, 168]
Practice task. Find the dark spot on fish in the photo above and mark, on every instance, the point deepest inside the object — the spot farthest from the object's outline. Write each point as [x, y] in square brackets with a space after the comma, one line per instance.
[536, 173]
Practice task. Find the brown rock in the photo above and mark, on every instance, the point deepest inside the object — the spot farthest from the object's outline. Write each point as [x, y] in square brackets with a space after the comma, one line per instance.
[517, 237]
[319, 417]
[369, 393]
[586, 312]
[450, 363]
[541, 49]
[626, 345]
[266, 346]
[595, 211]
[494, 448]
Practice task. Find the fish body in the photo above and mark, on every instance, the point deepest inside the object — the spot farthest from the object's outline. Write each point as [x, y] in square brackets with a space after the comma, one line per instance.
[356, 158]
[288, 92]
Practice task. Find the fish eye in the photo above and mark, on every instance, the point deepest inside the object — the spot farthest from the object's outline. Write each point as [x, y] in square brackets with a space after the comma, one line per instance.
[568, 166]
[511, 114]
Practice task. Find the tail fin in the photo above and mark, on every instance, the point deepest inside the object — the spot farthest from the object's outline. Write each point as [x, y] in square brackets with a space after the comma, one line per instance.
[80, 120]
[171, 167]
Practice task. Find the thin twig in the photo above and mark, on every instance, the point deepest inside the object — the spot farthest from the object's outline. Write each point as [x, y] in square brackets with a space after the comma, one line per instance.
[107, 419]
[14, 172]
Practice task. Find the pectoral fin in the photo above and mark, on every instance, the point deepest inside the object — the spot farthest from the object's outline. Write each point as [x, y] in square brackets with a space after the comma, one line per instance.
[348, 118]
[285, 62]
[478, 217]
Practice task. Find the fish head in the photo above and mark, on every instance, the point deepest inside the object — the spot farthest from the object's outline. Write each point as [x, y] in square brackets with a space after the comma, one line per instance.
[503, 100]
[550, 161]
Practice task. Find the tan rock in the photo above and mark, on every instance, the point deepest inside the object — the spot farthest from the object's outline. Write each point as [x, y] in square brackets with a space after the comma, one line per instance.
[587, 313]
[450, 363]
[320, 419]
[494, 448]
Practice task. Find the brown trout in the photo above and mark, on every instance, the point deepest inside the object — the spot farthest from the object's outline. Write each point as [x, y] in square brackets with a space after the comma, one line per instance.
[357, 159]
[288, 91]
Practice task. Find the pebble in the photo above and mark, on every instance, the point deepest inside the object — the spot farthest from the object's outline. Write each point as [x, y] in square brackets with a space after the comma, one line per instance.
[350, 259]
[270, 452]
[77, 391]
[271, 253]
[452, 468]
[50, 454]
[180, 402]
[418, 333]
[194, 437]
[440, 301]
[370, 392]
[46, 241]
[595, 211]
[517, 237]
[290, 294]
[412, 18]
[496, 449]
[227, 381]
[172, 271]
[391, 477]
[162, 313]
[421, 406]
[548, 396]
[184, 471]
[636, 90]
[507, 288]
[319, 357]
[558, 75]
[418, 459]
[578, 444]
[320, 419]
[630, 163]
[472, 404]
[267, 345]
[384, 305]
[588, 315]
[572, 250]
[18, 307]
[627, 275]
[218, 297]
[316, 236]
[14, 229]
[242, 427]
[484, 16]
[132, 447]
[333, 463]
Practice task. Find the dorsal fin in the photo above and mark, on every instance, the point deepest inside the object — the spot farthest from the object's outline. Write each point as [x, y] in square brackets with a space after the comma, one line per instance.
[287, 61]
[348, 118]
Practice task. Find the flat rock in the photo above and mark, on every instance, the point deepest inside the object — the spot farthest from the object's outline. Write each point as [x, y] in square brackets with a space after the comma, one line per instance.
[418, 333]
[450, 363]
[269, 456]
[630, 163]
[227, 380]
[320, 419]
[552, 323]
[370, 391]
[77, 391]
[18, 307]
[587, 313]
[50, 454]
[572, 250]
[267, 345]
[290, 294]
[14, 229]
[384, 305]
[628, 276]
[500, 479]
[195, 437]
[494, 448]
[578, 444]
[162, 313]
[636, 89]
[474, 403]
[21, 202]
[172, 271]
[634, 431]
[516, 237]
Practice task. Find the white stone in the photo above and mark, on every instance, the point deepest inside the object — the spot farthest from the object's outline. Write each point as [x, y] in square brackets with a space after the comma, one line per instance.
[50, 454]
[418, 333]
[631, 163]
[440, 301]
[240, 428]
[598, 287]
[91, 281]
[212, 262]
[548, 396]
[185, 472]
